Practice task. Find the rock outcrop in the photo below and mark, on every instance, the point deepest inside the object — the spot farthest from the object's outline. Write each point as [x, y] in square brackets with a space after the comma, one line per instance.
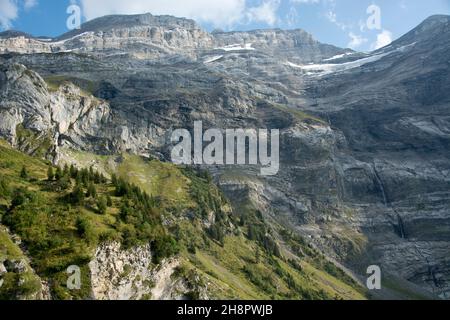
[118, 274]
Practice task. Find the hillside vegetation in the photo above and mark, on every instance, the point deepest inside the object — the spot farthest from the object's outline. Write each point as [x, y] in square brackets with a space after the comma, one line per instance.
[61, 214]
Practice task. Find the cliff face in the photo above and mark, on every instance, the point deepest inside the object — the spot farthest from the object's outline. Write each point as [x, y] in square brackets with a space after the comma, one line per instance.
[118, 274]
[364, 137]
[52, 117]
[156, 37]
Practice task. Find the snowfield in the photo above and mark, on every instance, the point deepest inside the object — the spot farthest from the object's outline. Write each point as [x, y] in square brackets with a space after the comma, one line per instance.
[237, 47]
[329, 68]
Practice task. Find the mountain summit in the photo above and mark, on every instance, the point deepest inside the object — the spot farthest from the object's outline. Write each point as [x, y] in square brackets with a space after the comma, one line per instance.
[108, 23]
[148, 37]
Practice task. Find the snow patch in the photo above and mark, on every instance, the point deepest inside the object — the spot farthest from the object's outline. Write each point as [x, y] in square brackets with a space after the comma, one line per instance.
[73, 38]
[237, 47]
[213, 58]
[324, 69]
[339, 56]
[328, 68]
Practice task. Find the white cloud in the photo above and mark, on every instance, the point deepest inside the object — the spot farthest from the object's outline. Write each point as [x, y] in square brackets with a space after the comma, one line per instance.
[384, 38]
[28, 4]
[9, 11]
[222, 14]
[266, 12]
[356, 40]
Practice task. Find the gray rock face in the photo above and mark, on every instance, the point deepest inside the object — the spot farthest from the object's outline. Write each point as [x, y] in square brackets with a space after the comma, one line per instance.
[297, 45]
[364, 137]
[118, 274]
[158, 37]
[67, 115]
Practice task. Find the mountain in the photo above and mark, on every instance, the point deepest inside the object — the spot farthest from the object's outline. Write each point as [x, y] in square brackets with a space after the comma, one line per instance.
[14, 34]
[152, 37]
[364, 142]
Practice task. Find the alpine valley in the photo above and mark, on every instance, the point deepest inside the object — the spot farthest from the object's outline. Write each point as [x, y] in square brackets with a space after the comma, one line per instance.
[86, 177]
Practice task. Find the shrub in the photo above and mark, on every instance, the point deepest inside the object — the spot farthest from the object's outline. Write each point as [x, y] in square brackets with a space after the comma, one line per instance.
[77, 195]
[64, 183]
[216, 232]
[129, 238]
[22, 196]
[164, 247]
[85, 230]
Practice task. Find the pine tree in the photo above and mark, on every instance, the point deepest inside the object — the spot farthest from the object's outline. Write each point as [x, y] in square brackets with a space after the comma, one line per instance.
[58, 174]
[114, 179]
[85, 176]
[50, 173]
[24, 173]
[73, 172]
[66, 170]
[77, 195]
[78, 179]
[91, 191]
[102, 205]
[109, 202]
[97, 178]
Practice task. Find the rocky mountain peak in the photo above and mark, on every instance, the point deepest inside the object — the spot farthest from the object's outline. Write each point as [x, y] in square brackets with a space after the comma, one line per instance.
[116, 22]
[146, 36]
[430, 29]
[436, 19]
[14, 34]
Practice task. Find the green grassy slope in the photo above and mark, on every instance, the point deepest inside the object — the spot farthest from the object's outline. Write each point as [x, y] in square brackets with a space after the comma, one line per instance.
[234, 254]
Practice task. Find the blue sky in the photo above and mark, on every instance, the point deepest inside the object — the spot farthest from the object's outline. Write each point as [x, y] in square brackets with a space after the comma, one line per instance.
[339, 22]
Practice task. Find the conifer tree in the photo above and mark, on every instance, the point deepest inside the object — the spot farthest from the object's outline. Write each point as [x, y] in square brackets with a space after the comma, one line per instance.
[24, 173]
[102, 205]
[58, 174]
[66, 170]
[73, 171]
[109, 202]
[91, 191]
[50, 173]
[77, 194]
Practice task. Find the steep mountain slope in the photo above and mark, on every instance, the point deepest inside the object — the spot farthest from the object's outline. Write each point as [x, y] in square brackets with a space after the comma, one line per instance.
[394, 113]
[364, 137]
[122, 251]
